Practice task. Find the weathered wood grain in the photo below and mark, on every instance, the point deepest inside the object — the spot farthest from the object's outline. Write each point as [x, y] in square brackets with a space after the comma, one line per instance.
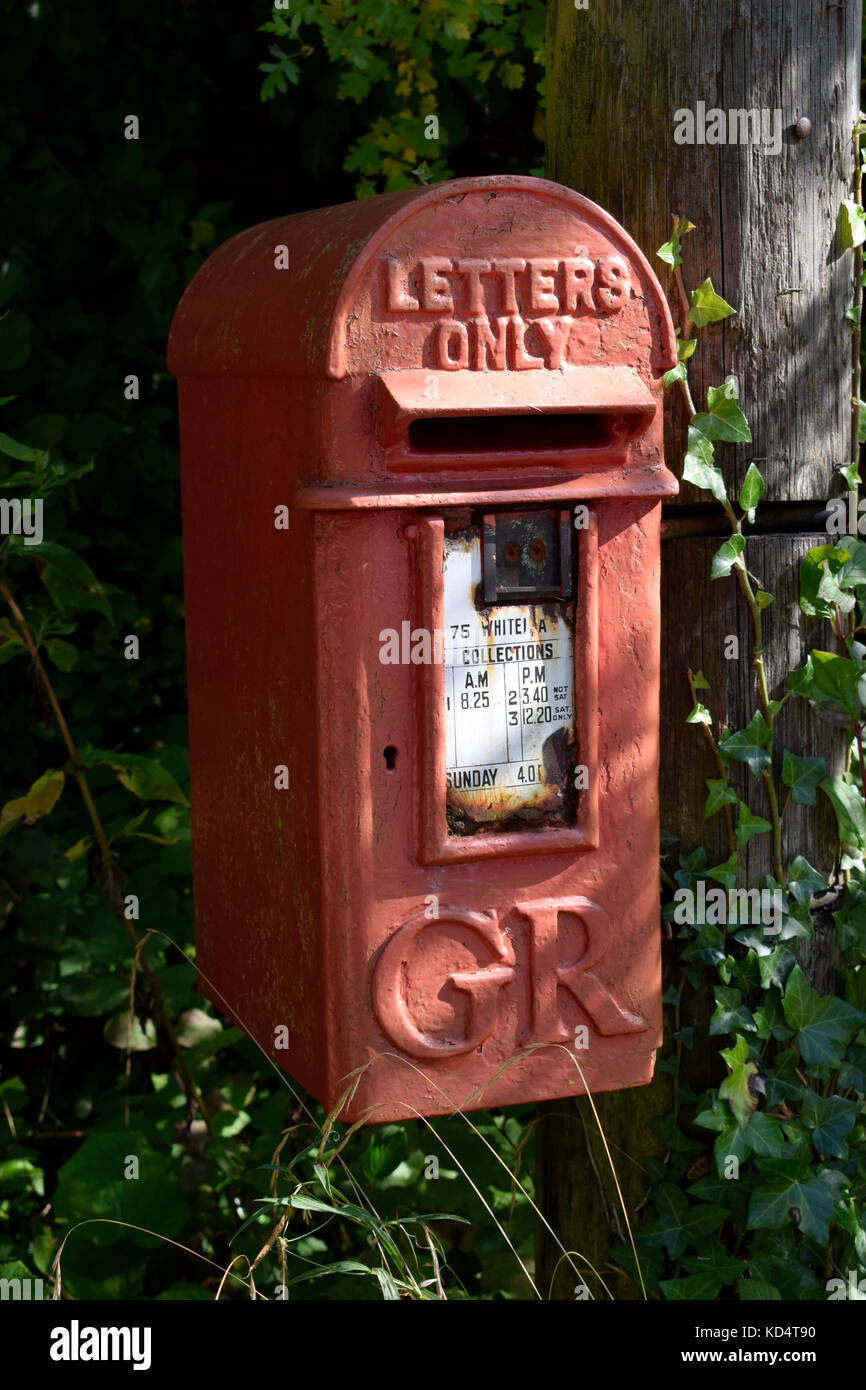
[766, 224]
[766, 234]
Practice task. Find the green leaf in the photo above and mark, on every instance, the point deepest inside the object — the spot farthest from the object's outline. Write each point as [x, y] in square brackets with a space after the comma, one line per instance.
[11, 643]
[145, 777]
[194, 1026]
[730, 1015]
[793, 1194]
[69, 580]
[685, 348]
[830, 1118]
[802, 775]
[852, 223]
[37, 802]
[707, 306]
[750, 745]
[699, 715]
[831, 684]
[136, 1038]
[63, 654]
[714, 1259]
[22, 452]
[704, 1286]
[735, 1087]
[850, 813]
[770, 1020]
[720, 794]
[813, 568]
[751, 491]
[764, 1136]
[850, 474]
[699, 680]
[678, 1223]
[677, 373]
[727, 557]
[762, 598]
[698, 466]
[723, 418]
[749, 825]
[758, 1291]
[92, 1183]
[823, 1024]
[671, 252]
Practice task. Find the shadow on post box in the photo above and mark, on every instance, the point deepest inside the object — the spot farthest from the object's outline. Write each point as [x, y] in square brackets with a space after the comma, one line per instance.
[422, 471]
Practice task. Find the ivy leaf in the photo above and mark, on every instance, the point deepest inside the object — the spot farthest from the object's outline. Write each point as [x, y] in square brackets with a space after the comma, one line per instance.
[677, 373]
[850, 813]
[830, 683]
[750, 745]
[714, 1257]
[802, 775]
[830, 1118]
[36, 803]
[775, 967]
[730, 1016]
[751, 491]
[685, 348]
[699, 680]
[728, 557]
[735, 1087]
[823, 1024]
[764, 1136]
[719, 795]
[852, 223]
[812, 571]
[749, 825]
[724, 419]
[731, 1143]
[699, 715]
[703, 1286]
[698, 466]
[770, 1020]
[792, 1192]
[725, 873]
[680, 1223]
[762, 598]
[850, 474]
[757, 1291]
[853, 572]
[707, 306]
[804, 881]
[670, 251]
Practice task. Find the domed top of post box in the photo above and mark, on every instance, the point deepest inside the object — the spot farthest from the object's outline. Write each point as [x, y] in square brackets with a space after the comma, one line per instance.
[469, 302]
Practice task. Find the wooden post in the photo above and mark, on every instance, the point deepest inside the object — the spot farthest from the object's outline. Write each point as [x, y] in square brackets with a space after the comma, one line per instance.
[628, 87]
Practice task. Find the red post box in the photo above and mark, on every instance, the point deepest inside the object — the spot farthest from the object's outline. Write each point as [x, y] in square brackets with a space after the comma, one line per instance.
[422, 464]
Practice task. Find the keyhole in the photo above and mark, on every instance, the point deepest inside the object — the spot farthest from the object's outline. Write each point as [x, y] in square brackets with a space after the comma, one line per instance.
[390, 756]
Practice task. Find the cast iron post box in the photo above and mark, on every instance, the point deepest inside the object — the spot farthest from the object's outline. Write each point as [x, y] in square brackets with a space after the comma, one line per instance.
[422, 472]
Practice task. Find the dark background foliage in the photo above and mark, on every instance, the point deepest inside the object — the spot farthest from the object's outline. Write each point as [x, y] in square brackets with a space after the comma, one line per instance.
[101, 235]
